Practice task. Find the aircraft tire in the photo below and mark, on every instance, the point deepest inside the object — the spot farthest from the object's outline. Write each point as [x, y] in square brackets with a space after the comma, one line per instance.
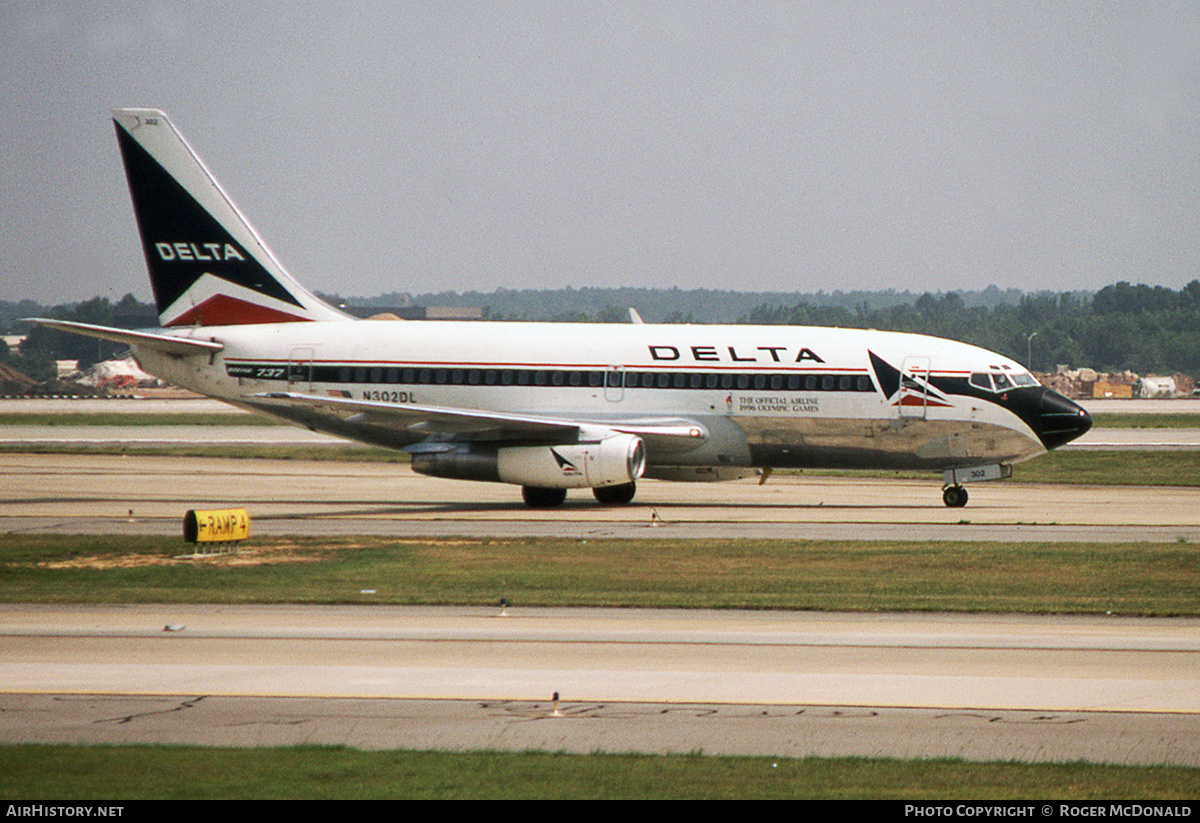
[955, 496]
[615, 495]
[538, 497]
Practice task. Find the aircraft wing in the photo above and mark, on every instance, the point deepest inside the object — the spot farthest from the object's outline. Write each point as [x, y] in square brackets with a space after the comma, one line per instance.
[664, 434]
[165, 343]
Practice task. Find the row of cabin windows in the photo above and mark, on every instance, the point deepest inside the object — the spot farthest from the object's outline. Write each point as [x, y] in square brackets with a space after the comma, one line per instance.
[413, 375]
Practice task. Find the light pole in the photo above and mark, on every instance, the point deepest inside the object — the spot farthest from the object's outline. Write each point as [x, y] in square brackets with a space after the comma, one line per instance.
[1029, 351]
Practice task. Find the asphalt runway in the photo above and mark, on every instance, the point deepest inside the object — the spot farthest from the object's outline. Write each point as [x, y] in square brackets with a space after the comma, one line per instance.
[132, 494]
[770, 683]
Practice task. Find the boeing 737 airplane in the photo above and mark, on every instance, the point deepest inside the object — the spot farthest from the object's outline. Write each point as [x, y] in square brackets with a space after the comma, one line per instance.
[551, 406]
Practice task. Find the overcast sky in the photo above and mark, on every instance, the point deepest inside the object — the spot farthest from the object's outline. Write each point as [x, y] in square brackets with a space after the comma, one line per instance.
[752, 146]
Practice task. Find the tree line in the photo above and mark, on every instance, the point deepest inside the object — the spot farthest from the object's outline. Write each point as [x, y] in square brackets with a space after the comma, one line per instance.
[36, 355]
[1146, 329]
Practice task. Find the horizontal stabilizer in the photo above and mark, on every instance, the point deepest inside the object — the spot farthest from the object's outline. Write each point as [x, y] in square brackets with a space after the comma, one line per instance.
[165, 343]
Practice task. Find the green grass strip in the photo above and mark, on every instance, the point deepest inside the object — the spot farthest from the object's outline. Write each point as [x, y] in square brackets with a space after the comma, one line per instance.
[1113, 468]
[1124, 420]
[335, 451]
[33, 772]
[1122, 579]
[137, 419]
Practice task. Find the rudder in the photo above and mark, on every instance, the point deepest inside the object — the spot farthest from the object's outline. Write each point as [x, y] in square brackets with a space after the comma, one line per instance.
[208, 266]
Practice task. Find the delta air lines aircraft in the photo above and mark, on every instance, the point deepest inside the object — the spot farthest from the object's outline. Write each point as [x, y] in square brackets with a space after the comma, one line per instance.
[552, 406]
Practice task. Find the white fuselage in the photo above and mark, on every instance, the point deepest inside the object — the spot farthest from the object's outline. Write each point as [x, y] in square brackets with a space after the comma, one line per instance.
[767, 395]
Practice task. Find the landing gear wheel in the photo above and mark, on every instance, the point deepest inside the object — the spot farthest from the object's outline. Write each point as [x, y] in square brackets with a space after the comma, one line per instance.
[615, 495]
[954, 496]
[537, 497]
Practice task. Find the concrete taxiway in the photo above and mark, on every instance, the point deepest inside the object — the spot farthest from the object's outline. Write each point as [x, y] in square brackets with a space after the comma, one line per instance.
[790, 684]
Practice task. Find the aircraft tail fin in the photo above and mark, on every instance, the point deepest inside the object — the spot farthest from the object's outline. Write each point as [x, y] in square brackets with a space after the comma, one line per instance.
[208, 266]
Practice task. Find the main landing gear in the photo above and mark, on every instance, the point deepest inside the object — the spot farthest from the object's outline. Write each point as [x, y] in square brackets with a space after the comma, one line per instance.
[954, 496]
[538, 497]
[615, 495]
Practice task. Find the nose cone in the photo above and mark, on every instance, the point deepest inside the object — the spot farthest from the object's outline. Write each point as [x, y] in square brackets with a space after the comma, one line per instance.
[1060, 420]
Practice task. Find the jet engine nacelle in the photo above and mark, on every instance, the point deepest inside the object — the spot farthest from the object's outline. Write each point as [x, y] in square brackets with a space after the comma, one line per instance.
[609, 462]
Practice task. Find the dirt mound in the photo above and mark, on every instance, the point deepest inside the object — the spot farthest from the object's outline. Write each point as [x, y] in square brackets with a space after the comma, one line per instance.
[13, 382]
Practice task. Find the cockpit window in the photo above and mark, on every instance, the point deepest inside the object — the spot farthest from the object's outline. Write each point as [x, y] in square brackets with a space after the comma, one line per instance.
[1001, 381]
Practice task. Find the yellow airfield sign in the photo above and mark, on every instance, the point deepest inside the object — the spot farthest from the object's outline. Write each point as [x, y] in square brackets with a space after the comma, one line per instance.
[216, 525]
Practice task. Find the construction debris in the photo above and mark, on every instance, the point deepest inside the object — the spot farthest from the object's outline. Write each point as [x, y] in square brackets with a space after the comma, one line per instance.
[1089, 384]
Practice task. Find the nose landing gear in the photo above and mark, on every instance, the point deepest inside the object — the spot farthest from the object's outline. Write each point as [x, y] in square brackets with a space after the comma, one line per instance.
[954, 496]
